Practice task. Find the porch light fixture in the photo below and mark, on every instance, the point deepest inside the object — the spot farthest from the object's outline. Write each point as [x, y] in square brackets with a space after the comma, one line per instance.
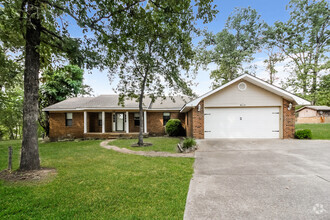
[290, 106]
[199, 108]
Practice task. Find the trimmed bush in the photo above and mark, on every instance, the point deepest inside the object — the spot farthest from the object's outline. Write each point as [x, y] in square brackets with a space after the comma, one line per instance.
[188, 143]
[174, 127]
[303, 134]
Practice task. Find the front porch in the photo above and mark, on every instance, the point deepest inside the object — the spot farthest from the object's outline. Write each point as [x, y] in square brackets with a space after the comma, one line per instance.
[113, 135]
[113, 124]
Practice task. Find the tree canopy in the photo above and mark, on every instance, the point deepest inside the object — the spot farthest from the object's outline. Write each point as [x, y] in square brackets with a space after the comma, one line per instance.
[234, 46]
[43, 39]
[157, 52]
[58, 85]
[304, 39]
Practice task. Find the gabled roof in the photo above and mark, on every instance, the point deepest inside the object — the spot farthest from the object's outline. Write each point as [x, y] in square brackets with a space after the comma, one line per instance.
[110, 102]
[315, 107]
[256, 81]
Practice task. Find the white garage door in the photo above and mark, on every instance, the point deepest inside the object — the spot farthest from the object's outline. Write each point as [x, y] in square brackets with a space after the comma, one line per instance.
[241, 122]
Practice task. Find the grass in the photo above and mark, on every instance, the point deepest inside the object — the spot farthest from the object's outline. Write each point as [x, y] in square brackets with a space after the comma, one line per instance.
[96, 183]
[319, 131]
[165, 144]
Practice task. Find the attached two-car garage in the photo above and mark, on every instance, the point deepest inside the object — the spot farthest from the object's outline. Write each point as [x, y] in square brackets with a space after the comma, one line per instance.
[246, 107]
[242, 122]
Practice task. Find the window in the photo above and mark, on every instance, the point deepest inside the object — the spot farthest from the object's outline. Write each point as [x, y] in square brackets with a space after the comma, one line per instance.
[100, 118]
[136, 119]
[166, 117]
[68, 119]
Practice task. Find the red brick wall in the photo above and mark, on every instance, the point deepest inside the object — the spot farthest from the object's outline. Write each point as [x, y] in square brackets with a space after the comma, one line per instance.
[108, 122]
[198, 121]
[94, 122]
[155, 122]
[59, 130]
[132, 127]
[288, 120]
[189, 124]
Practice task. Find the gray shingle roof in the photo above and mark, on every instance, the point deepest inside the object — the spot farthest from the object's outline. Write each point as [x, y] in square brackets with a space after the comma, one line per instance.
[111, 102]
[71, 103]
[317, 108]
[176, 102]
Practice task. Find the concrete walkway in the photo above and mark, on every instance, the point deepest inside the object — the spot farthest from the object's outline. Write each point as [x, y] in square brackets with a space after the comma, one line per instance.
[105, 145]
[260, 179]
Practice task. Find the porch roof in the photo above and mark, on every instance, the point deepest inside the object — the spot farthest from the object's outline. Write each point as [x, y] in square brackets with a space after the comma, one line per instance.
[110, 102]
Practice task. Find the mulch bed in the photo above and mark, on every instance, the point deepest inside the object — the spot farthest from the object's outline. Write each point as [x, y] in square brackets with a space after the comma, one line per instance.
[28, 176]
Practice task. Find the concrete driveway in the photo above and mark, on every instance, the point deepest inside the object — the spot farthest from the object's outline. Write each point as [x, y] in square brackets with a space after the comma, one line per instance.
[260, 179]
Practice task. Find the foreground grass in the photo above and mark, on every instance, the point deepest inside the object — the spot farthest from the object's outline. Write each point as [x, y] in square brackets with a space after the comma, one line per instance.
[95, 183]
[319, 131]
[166, 144]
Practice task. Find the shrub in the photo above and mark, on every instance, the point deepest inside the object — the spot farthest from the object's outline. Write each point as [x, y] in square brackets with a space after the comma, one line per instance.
[174, 127]
[188, 143]
[303, 134]
[2, 133]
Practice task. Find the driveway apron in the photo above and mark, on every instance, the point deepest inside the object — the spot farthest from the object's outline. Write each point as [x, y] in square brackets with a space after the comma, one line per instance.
[260, 179]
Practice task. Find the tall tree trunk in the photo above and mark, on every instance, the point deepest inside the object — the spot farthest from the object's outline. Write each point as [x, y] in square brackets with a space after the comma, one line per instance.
[314, 82]
[30, 152]
[140, 142]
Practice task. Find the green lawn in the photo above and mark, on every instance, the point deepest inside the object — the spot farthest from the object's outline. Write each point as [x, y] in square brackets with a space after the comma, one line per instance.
[167, 144]
[96, 183]
[319, 131]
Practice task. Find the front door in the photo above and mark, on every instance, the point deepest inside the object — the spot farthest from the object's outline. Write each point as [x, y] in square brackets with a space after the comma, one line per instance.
[119, 121]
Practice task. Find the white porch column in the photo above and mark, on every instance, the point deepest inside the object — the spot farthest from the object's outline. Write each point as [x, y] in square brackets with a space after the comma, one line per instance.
[127, 123]
[145, 121]
[85, 122]
[103, 122]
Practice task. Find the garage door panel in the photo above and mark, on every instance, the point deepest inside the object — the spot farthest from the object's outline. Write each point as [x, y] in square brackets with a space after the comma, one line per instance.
[242, 122]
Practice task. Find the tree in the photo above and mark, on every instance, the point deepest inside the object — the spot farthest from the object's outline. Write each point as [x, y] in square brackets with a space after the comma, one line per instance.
[28, 29]
[58, 85]
[274, 57]
[11, 111]
[155, 51]
[323, 91]
[38, 31]
[232, 47]
[304, 38]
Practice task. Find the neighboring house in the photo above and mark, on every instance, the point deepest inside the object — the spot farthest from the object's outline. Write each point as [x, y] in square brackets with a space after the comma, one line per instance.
[246, 107]
[313, 114]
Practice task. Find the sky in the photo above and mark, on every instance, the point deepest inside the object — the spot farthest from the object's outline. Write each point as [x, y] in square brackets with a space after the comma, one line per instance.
[270, 11]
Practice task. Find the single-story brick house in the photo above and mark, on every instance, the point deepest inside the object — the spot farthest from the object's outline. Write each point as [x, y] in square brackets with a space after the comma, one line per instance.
[313, 114]
[246, 107]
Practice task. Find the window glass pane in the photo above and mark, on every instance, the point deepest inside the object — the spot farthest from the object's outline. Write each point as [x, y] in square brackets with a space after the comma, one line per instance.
[100, 115]
[68, 122]
[136, 119]
[68, 115]
[166, 117]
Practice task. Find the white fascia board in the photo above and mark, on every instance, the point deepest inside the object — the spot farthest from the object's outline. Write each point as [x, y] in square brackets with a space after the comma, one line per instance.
[112, 108]
[186, 109]
[163, 109]
[255, 81]
[84, 109]
[59, 110]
